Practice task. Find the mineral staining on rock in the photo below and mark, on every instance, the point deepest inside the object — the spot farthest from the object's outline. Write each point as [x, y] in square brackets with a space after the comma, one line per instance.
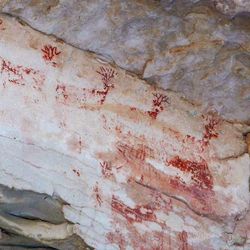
[182, 45]
[139, 167]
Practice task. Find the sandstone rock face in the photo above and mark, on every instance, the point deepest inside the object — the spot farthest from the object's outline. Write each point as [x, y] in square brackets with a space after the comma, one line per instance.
[181, 45]
[136, 166]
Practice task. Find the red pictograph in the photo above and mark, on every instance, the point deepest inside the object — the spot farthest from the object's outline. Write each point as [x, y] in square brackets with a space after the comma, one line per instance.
[158, 104]
[116, 237]
[18, 75]
[199, 171]
[137, 214]
[49, 53]
[210, 129]
[106, 169]
[132, 153]
[97, 194]
[183, 237]
[107, 75]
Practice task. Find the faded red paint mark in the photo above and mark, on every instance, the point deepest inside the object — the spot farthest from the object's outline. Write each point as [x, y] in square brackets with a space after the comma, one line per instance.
[1, 25]
[189, 139]
[145, 173]
[61, 89]
[150, 240]
[70, 95]
[50, 53]
[132, 108]
[19, 75]
[79, 145]
[147, 241]
[142, 178]
[116, 238]
[12, 70]
[183, 237]
[131, 153]
[107, 76]
[210, 127]
[97, 194]
[158, 104]
[118, 129]
[160, 203]
[76, 172]
[76, 144]
[137, 214]
[197, 146]
[210, 130]
[199, 170]
[106, 169]
[63, 95]
[204, 198]
[159, 239]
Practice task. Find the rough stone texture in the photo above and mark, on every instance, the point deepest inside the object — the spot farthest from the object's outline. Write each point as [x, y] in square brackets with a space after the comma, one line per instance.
[139, 167]
[232, 7]
[30, 205]
[10, 241]
[24, 212]
[14, 242]
[182, 45]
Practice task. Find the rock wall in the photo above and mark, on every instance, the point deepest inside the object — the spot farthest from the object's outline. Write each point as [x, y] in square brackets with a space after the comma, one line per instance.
[112, 161]
[182, 45]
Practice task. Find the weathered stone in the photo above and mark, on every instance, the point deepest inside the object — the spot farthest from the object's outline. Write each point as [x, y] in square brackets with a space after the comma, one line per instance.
[182, 45]
[37, 234]
[30, 205]
[26, 208]
[232, 7]
[248, 142]
[137, 166]
[13, 242]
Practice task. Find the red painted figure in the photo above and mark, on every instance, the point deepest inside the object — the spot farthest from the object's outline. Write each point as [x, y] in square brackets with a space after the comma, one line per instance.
[137, 214]
[97, 195]
[50, 52]
[106, 169]
[183, 236]
[158, 104]
[107, 75]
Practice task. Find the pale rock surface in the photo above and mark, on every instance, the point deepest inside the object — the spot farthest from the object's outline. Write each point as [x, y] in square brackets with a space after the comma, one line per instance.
[182, 45]
[232, 7]
[139, 167]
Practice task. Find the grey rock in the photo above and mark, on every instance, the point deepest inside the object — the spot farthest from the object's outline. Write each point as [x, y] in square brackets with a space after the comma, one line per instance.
[21, 208]
[13, 241]
[30, 205]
